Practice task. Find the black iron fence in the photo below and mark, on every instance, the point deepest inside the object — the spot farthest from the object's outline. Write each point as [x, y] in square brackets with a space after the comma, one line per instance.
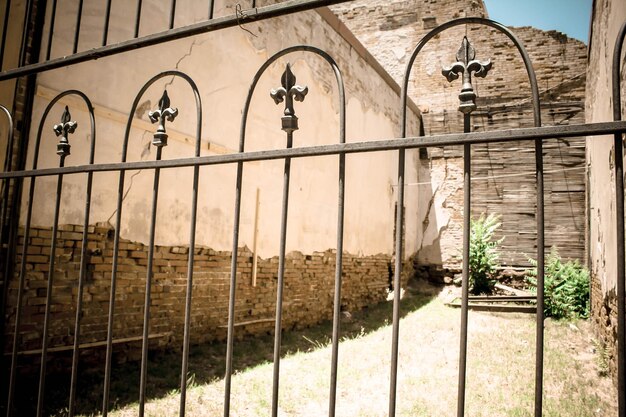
[465, 67]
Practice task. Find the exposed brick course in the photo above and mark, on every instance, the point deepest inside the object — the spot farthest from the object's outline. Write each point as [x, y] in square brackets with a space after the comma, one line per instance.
[308, 291]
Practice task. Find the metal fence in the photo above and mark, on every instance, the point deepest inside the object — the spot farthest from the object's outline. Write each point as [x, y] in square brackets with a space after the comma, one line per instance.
[465, 67]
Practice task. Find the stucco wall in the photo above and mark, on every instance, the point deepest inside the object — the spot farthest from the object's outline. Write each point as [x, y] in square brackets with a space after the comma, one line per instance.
[608, 16]
[223, 65]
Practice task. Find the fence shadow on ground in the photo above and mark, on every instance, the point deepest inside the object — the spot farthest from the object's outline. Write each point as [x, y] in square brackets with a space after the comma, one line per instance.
[206, 362]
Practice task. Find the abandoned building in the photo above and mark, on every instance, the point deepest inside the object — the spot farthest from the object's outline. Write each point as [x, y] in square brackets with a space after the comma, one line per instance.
[116, 278]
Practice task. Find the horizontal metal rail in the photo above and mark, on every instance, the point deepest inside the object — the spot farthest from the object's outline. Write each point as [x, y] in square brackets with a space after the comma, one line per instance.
[531, 133]
[237, 19]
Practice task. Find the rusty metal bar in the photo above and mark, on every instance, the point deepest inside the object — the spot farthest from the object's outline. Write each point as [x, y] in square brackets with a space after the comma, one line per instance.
[210, 15]
[107, 17]
[50, 31]
[172, 14]
[253, 15]
[619, 212]
[5, 26]
[46, 320]
[137, 19]
[192, 245]
[79, 16]
[467, 213]
[148, 299]
[281, 280]
[397, 290]
[547, 132]
[83, 266]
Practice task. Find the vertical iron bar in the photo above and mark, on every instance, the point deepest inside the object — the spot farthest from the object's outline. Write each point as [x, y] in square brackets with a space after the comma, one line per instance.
[138, 18]
[46, 320]
[467, 212]
[116, 243]
[7, 10]
[540, 280]
[79, 16]
[172, 14]
[107, 17]
[20, 295]
[397, 286]
[338, 281]
[281, 280]
[146, 308]
[83, 271]
[211, 5]
[4, 221]
[233, 289]
[188, 295]
[81, 288]
[51, 31]
[619, 212]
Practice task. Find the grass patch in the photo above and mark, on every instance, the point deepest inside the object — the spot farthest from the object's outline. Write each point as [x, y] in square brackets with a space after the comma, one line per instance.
[500, 376]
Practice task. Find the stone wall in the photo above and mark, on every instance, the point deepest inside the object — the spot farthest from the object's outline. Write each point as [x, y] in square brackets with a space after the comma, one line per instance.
[503, 174]
[608, 16]
[308, 291]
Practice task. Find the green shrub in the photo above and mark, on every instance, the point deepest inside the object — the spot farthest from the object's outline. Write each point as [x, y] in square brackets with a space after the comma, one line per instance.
[566, 287]
[484, 254]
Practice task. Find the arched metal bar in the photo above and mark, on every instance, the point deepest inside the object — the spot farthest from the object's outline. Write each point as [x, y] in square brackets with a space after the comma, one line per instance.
[619, 212]
[22, 276]
[8, 251]
[466, 221]
[83, 262]
[340, 222]
[116, 240]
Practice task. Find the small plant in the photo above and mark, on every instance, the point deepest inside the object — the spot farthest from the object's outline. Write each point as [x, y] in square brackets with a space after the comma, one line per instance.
[483, 254]
[566, 287]
[602, 358]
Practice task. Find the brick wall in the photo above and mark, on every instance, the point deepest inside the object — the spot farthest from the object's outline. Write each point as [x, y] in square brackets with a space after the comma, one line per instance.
[308, 292]
[391, 30]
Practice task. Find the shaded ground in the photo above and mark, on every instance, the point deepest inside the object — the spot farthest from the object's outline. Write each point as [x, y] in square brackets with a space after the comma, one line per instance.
[500, 376]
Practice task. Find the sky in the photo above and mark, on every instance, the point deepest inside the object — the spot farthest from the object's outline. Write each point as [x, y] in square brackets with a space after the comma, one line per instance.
[568, 16]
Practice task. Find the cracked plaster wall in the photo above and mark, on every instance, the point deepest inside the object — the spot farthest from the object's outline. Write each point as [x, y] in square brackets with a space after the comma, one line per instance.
[223, 64]
[608, 16]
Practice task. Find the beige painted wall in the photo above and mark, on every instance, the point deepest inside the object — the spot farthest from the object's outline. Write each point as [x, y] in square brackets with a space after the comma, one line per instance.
[223, 64]
[608, 17]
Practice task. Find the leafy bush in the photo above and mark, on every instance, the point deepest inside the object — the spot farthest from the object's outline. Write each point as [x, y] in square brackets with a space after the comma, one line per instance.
[566, 287]
[484, 255]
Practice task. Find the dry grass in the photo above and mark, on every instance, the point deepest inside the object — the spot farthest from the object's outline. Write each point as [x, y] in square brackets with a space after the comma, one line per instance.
[500, 369]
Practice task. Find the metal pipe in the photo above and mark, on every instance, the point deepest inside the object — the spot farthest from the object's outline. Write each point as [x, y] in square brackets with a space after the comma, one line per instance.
[281, 280]
[137, 19]
[467, 213]
[46, 320]
[548, 132]
[83, 266]
[172, 14]
[50, 31]
[619, 212]
[211, 5]
[148, 299]
[107, 17]
[79, 16]
[5, 25]
[397, 290]
[192, 246]
[258, 14]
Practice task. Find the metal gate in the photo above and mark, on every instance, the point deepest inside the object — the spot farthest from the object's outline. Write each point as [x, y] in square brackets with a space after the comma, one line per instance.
[289, 92]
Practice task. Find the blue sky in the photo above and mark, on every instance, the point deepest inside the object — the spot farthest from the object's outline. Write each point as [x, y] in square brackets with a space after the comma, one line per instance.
[568, 16]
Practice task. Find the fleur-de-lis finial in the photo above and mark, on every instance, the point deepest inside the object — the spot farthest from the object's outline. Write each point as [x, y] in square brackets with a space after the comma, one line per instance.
[164, 112]
[288, 93]
[63, 129]
[466, 65]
